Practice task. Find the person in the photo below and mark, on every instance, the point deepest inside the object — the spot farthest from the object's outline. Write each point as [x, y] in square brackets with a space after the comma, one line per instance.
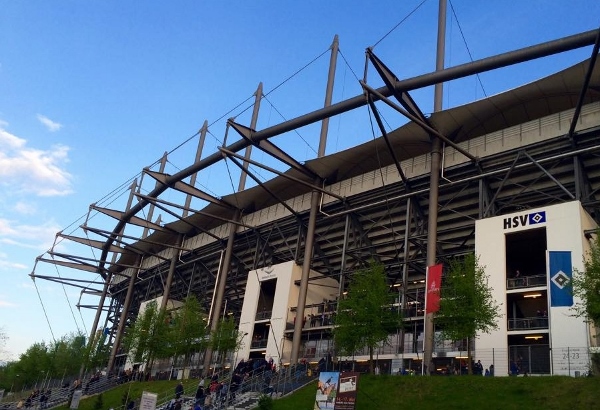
[179, 390]
[487, 373]
[200, 393]
[479, 368]
[518, 279]
[236, 381]
[514, 369]
[43, 400]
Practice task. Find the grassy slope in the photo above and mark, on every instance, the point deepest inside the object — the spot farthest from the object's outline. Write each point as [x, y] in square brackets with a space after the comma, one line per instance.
[394, 392]
[464, 392]
[114, 398]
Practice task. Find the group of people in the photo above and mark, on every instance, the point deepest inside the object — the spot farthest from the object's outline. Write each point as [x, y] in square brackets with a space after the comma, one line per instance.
[40, 396]
[219, 390]
[478, 369]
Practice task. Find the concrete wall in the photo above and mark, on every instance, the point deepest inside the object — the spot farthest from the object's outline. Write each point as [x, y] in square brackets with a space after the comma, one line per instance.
[565, 225]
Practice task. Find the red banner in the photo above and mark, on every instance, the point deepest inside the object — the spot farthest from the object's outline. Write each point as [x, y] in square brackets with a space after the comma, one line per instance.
[434, 282]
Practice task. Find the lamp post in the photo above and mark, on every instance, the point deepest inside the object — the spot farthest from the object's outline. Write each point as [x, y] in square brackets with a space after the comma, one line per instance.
[234, 365]
[13, 383]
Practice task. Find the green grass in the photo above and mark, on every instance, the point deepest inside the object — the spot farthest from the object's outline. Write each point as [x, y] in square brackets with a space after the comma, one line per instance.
[463, 392]
[396, 392]
[114, 398]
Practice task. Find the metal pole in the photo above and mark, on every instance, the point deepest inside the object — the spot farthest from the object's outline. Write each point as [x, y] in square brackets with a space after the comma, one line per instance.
[161, 169]
[220, 291]
[194, 177]
[308, 250]
[257, 97]
[107, 282]
[123, 318]
[434, 181]
[502, 60]
[312, 219]
[171, 274]
[402, 301]
[328, 95]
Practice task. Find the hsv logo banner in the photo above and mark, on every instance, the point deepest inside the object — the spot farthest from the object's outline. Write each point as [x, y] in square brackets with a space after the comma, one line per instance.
[561, 272]
[434, 280]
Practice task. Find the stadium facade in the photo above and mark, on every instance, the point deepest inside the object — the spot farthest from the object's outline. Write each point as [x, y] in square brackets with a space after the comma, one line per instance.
[277, 256]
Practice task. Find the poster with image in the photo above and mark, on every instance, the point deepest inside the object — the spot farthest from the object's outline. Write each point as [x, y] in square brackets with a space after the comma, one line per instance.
[348, 387]
[327, 385]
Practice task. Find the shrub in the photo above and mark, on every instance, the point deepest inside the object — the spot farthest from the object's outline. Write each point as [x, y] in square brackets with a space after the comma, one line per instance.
[265, 402]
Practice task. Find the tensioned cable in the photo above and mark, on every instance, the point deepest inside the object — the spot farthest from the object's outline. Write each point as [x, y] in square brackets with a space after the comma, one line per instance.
[297, 72]
[466, 45]
[82, 322]
[44, 309]
[387, 204]
[343, 92]
[396, 26]
[67, 298]
[128, 182]
[285, 119]
[348, 65]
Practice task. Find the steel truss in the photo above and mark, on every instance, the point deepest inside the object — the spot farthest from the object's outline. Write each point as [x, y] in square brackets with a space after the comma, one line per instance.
[388, 223]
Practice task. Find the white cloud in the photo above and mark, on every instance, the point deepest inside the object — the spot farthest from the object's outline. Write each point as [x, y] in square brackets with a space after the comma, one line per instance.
[5, 303]
[52, 126]
[39, 237]
[24, 208]
[12, 265]
[8, 140]
[33, 171]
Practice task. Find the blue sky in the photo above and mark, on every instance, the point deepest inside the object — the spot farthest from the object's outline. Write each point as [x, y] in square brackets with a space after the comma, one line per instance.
[93, 91]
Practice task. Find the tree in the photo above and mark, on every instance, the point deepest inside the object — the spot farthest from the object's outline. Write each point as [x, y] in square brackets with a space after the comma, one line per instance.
[225, 338]
[148, 338]
[97, 351]
[365, 317]
[67, 355]
[3, 339]
[466, 304]
[188, 330]
[586, 286]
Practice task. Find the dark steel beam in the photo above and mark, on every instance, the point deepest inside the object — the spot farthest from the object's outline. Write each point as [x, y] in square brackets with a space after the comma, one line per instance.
[263, 186]
[271, 149]
[283, 174]
[586, 83]
[502, 60]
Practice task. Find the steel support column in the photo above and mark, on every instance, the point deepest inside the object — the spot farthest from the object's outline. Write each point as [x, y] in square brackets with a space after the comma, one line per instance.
[106, 285]
[253, 121]
[220, 290]
[169, 281]
[194, 177]
[123, 317]
[314, 209]
[434, 182]
[303, 291]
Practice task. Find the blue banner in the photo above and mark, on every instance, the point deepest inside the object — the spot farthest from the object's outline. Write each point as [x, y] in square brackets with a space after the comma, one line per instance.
[561, 272]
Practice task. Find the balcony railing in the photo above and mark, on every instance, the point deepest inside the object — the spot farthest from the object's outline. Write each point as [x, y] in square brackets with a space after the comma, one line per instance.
[263, 315]
[527, 323]
[258, 344]
[526, 282]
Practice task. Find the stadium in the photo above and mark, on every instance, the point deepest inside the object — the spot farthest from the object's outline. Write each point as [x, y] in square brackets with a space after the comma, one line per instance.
[440, 186]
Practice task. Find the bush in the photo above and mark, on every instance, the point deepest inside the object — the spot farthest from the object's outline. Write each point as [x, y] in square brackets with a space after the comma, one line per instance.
[265, 402]
[99, 403]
